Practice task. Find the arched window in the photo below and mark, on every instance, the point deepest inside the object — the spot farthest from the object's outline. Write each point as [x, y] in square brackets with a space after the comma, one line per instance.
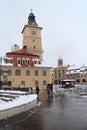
[44, 82]
[22, 85]
[44, 73]
[27, 72]
[36, 82]
[84, 80]
[36, 73]
[17, 72]
[9, 72]
[78, 81]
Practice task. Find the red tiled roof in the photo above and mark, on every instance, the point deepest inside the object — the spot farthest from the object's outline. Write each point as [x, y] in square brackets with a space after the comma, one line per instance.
[22, 51]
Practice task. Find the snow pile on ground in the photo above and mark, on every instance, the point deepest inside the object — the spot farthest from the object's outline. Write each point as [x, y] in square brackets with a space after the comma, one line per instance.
[21, 99]
[77, 91]
[14, 92]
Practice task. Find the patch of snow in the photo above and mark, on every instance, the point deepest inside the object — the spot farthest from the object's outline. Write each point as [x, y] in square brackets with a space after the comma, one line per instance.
[20, 100]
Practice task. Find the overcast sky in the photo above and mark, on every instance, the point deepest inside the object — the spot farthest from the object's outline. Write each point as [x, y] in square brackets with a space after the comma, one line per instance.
[64, 25]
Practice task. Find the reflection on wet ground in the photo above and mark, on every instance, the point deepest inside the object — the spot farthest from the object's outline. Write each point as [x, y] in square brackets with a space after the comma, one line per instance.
[54, 113]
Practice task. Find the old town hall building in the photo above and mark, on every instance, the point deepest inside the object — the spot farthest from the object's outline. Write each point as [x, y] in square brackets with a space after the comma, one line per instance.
[23, 67]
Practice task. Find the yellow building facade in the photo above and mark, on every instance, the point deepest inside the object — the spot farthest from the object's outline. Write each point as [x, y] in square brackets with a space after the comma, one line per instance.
[24, 77]
[60, 72]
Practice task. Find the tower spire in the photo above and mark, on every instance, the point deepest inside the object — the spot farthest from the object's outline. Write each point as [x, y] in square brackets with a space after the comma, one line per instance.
[33, 32]
[31, 19]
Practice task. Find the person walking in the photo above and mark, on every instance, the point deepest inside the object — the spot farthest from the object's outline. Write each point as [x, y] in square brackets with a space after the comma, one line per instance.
[37, 90]
[48, 90]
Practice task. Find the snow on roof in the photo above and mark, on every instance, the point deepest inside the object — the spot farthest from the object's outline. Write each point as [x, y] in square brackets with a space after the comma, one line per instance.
[3, 63]
[73, 67]
[68, 80]
[76, 69]
[73, 72]
[6, 64]
[43, 64]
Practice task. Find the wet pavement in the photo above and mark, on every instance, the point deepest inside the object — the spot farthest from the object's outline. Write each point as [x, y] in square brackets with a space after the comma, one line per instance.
[51, 113]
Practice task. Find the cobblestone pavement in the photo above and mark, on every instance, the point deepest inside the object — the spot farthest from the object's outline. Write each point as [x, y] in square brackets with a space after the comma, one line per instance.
[51, 113]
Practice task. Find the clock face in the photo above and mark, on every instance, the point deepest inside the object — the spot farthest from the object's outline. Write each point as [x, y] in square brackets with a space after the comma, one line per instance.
[33, 32]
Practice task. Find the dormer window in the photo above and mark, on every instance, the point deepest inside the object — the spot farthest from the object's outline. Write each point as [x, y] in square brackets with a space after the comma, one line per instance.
[28, 61]
[23, 60]
[39, 62]
[19, 60]
[35, 62]
[11, 60]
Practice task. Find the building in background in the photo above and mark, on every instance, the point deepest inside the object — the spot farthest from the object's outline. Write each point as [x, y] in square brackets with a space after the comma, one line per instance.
[60, 72]
[23, 67]
[78, 73]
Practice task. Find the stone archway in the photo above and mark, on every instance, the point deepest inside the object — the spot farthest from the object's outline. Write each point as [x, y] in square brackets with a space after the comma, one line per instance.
[83, 80]
[77, 81]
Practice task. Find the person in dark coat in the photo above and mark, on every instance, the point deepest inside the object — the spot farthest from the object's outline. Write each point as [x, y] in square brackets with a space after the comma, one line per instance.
[37, 90]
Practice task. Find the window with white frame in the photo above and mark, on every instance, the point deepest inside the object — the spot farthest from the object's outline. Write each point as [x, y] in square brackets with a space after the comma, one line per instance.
[23, 60]
[19, 60]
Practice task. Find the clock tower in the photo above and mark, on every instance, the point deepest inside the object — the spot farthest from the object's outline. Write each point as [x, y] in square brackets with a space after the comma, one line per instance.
[32, 36]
